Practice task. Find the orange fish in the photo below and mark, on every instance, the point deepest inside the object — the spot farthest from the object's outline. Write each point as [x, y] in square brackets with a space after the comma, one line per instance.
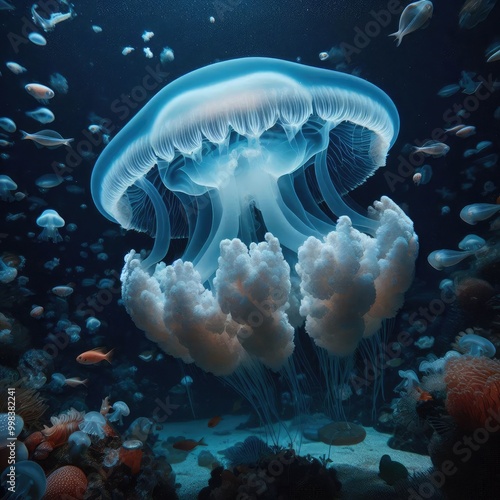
[94, 356]
[424, 395]
[214, 421]
[188, 444]
[75, 381]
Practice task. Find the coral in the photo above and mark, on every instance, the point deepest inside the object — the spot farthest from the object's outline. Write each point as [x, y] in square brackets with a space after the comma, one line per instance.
[248, 452]
[29, 404]
[473, 390]
[66, 482]
[40, 444]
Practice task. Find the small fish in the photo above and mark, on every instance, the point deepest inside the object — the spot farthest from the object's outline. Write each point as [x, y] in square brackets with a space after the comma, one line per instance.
[48, 138]
[17, 69]
[76, 381]
[214, 421]
[94, 356]
[188, 444]
[494, 57]
[455, 129]
[423, 395]
[40, 92]
[433, 148]
[466, 131]
[413, 17]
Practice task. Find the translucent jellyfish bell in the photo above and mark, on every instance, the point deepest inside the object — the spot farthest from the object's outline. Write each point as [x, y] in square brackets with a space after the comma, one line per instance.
[472, 214]
[243, 144]
[439, 259]
[50, 220]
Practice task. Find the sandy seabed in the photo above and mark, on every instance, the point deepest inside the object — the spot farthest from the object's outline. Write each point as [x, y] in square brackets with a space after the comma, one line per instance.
[357, 465]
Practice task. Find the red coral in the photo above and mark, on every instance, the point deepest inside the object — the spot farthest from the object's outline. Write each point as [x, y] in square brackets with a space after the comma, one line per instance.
[473, 390]
[66, 482]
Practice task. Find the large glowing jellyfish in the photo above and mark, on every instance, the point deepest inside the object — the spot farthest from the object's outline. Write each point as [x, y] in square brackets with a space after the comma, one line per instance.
[242, 137]
[249, 160]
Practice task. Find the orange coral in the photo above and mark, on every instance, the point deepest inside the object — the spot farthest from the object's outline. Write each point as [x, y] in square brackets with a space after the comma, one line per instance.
[40, 444]
[66, 482]
[473, 390]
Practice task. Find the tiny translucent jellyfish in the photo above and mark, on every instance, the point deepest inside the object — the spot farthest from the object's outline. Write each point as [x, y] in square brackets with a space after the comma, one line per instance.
[147, 35]
[417, 178]
[37, 39]
[475, 345]
[186, 381]
[7, 124]
[167, 55]
[71, 227]
[7, 273]
[48, 181]
[488, 187]
[472, 242]
[102, 256]
[73, 332]
[120, 410]
[323, 56]
[59, 83]
[147, 52]
[211, 19]
[51, 264]
[36, 311]
[445, 210]
[439, 259]
[92, 324]
[96, 29]
[127, 50]
[42, 115]
[472, 214]
[6, 186]
[58, 380]
[50, 220]
[62, 291]
[93, 424]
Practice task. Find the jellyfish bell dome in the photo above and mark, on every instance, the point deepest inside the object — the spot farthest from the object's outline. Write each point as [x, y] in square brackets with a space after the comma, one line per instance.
[241, 143]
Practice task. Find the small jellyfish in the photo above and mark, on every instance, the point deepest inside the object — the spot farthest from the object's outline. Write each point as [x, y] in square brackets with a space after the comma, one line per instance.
[37, 39]
[323, 56]
[92, 324]
[445, 210]
[425, 173]
[62, 291]
[439, 259]
[50, 220]
[472, 214]
[167, 55]
[147, 35]
[472, 242]
[147, 52]
[59, 83]
[6, 186]
[417, 178]
[127, 50]
[211, 19]
[71, 227]
[488, 188]
[96, 29]
[48, 181]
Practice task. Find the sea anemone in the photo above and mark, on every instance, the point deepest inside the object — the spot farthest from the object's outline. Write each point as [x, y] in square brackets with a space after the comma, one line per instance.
[473, 390]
